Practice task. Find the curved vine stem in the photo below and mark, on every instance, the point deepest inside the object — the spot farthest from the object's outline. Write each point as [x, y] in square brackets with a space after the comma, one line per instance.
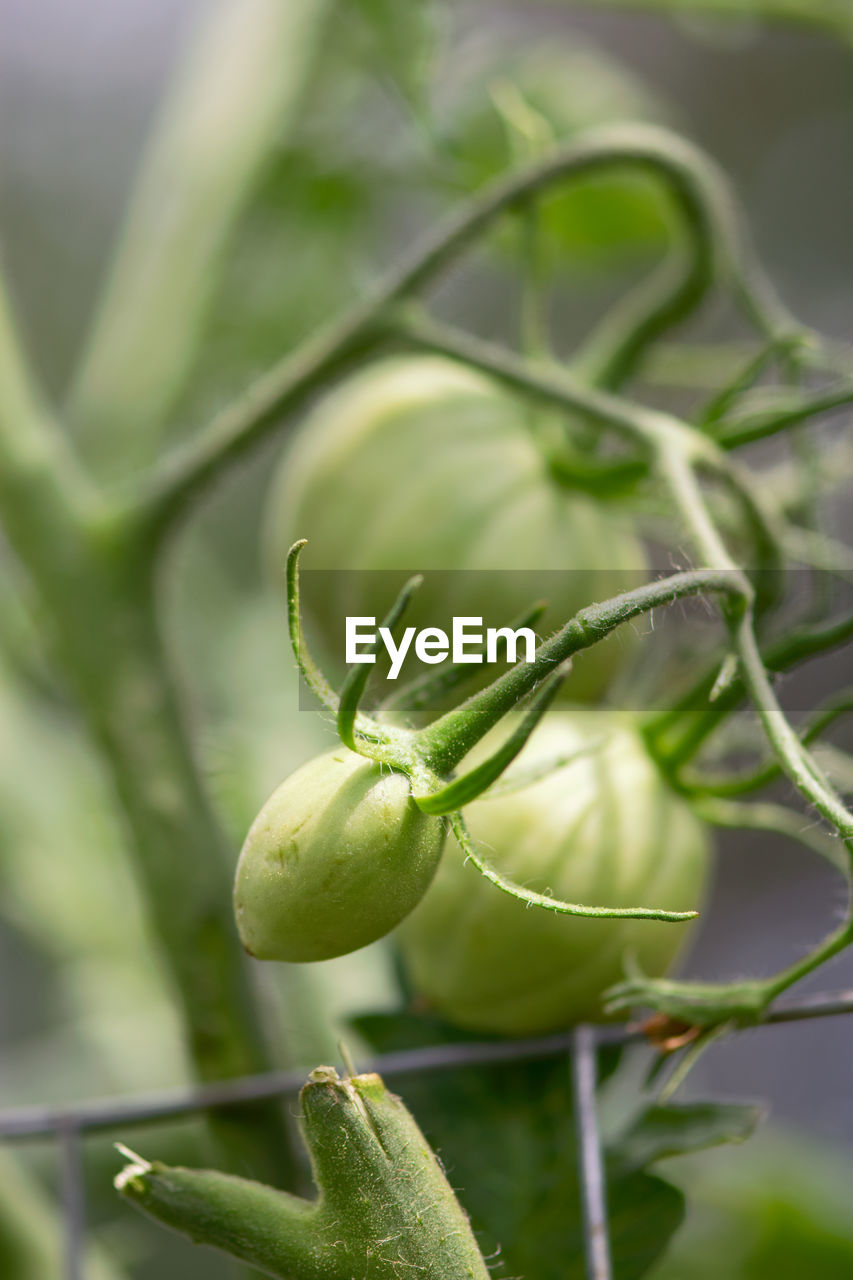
[794, 757]
[732, 785]
[102, 582]
[766, 816]
[719, 245]
[311, 673]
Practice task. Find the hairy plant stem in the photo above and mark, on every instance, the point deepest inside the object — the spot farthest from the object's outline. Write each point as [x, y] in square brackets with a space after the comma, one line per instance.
[99, 599]
[793, 756]
[449, 739]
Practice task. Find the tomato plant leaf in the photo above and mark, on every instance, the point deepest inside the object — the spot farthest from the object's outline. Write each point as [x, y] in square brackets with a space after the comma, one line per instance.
[658, 1132]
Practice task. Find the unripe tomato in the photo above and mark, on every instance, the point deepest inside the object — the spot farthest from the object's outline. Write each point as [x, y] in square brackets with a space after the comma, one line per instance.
[337, 856]
[605, 830]
[419, 464]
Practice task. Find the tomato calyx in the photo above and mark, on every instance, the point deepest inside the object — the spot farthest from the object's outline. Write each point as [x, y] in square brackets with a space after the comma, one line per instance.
[429, 757]
[705, 1005]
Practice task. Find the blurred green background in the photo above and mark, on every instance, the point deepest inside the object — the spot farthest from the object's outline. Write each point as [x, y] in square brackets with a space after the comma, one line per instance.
[400, 110]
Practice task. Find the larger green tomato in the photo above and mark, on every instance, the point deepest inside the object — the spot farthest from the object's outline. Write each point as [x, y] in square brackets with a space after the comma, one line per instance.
[418, 464]
[605, 829]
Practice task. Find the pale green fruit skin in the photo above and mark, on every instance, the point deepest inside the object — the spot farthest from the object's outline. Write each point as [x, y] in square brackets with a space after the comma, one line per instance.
[417, 464]
[604, 830]
[337, 856]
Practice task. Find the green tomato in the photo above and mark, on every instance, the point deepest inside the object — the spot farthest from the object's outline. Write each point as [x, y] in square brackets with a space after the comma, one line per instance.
[421, 465]
[337, 856]
[604, 829]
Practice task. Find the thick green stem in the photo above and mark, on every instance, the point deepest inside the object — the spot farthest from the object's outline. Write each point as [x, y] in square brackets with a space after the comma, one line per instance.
[98, 599]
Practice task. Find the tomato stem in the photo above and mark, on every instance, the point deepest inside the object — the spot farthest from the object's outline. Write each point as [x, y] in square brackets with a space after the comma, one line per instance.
[447, 740]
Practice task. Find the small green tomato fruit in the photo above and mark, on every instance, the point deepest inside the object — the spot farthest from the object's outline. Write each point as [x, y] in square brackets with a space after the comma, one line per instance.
[337, 856]
[604, 829]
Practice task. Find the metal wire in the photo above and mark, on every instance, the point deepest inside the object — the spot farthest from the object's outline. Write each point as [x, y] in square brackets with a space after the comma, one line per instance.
[68, 1124]
[590, 1166]
[72, 1186]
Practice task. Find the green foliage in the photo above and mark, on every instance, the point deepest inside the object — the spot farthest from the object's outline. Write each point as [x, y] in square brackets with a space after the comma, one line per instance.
[505, 1134]
[673, 1130]
[316, 198]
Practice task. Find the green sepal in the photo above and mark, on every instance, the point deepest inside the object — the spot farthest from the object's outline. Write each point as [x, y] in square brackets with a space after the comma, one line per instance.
[358, 675]
[464, 789]
[557, 905]
[313, 676]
